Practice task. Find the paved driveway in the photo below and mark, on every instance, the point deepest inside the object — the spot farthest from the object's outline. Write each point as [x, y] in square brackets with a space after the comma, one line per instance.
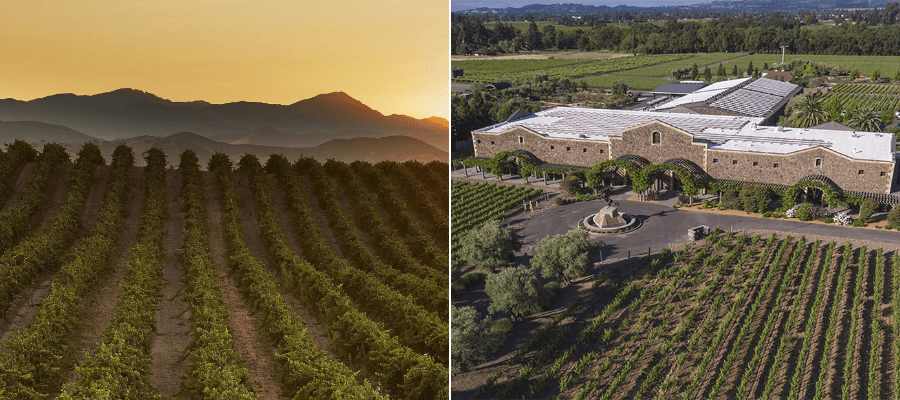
[664, 226]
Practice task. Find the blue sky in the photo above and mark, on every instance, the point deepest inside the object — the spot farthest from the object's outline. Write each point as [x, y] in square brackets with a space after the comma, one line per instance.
[459, 5]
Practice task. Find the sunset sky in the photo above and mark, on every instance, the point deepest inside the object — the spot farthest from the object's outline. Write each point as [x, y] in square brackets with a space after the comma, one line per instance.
[391, 55]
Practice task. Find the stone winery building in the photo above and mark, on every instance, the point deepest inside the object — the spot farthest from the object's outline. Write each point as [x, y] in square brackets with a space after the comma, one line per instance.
[722, 148]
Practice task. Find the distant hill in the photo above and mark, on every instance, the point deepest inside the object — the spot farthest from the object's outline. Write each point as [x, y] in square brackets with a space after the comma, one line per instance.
[730, 5]
[127, 113]
[37, 132]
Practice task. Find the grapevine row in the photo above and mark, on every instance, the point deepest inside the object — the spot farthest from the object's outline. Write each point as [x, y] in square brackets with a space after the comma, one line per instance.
[15, 221]
[384, 241]
[20, 264]
[399, 369]
[120, 364]
[421, 244]
[415, 327]
[29, 368]
[810, 323]
[426, 294]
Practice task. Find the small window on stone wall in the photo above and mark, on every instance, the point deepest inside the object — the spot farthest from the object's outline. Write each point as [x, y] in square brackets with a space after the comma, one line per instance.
[521, 140]
[551, 147]
[478, 141]
[584, 150]
[733, 162]
[568, 148]
[715, 160]
[818, 162]
[861, 172]
[755, 163]
[601, 151]
[775, 165]
[883, 173]
[492, 142]
[656, 138]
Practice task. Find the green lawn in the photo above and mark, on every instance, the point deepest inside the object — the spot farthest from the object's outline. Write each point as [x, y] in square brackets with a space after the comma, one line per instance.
[651, 77]
[866, 64]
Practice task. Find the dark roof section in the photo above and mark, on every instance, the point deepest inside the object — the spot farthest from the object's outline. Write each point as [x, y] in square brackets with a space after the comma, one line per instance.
[678, 88]
[498, 85]
[833, 126]
[519, 114]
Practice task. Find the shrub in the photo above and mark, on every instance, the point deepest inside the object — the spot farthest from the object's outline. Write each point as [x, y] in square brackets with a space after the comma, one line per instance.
[552, 287]
[859, 223]
[559, 201]
[894, 216]
[755, 198]
[474, 277]
[570, 185]
[866, 209]
[803, 213]
[767, 214]
[790, 213]
[705, 204]
[474, 339]
[828, 220]
[502, 325]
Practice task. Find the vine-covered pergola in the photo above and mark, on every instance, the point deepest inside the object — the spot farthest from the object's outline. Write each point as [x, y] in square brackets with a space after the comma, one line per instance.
[641, 172]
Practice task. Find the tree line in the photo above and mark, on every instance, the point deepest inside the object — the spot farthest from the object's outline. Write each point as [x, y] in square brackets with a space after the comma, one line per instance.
[866, 36]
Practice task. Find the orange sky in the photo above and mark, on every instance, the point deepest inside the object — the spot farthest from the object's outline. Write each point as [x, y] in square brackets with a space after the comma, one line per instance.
[391, 55]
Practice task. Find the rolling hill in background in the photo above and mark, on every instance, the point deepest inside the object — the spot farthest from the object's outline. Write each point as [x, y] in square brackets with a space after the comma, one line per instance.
[332, 125]
[126, 113]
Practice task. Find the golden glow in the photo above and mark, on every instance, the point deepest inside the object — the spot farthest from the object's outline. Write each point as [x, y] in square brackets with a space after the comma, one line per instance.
[390, 55]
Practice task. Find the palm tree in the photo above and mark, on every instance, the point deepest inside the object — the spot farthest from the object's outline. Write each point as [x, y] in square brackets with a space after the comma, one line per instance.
[808, 112]
[864, 119]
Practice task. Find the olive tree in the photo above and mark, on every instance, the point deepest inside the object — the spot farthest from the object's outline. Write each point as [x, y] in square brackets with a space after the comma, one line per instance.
[491, 246]
[472, 339]
[514, 290]
[564, 256]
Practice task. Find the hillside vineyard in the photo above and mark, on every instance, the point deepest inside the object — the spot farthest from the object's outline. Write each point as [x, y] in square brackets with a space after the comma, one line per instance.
[738, 317]
[272, 280]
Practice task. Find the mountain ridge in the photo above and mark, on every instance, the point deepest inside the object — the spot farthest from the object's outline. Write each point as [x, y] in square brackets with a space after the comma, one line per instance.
[124, 113]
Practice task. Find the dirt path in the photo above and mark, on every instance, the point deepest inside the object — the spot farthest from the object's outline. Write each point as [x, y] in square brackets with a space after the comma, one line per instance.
[60, 184]
[25, 307]
[102, 301]
[247, 341]
[172, 315]
[21, 181]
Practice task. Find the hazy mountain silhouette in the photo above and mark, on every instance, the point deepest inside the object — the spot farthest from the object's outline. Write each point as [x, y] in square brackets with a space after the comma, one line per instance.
[127, 113]
[35, 132]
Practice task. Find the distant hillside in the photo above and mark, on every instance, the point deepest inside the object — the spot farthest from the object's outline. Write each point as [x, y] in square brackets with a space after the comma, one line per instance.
[37, 132]
[729, 5]
[127, 113]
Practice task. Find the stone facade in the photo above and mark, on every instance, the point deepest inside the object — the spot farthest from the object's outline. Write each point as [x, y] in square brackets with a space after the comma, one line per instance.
[847, 173]
[576, 152]
[673, 143]
[876, 176]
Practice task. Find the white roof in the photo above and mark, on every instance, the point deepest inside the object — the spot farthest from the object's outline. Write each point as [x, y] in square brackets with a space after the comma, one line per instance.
[702, 94]
[600, 124]
[874, 146]
[719, 131]
[723, 85]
